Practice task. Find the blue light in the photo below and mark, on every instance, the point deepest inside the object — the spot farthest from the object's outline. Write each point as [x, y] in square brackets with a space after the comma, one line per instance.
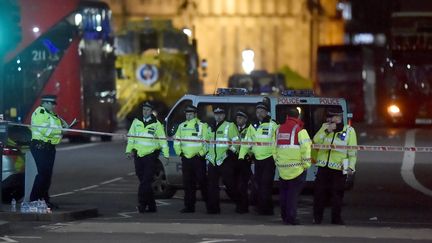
[50, 46]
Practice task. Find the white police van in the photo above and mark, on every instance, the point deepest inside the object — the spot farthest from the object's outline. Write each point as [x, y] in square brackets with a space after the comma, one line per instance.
[168, 177]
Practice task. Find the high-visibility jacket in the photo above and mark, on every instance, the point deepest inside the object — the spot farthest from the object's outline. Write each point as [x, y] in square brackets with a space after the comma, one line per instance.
[153, 139]
[242, 132]
[223, 132]
[42, 117]
[293, 149]
[264, 131]
[193, 129]
[333, 158]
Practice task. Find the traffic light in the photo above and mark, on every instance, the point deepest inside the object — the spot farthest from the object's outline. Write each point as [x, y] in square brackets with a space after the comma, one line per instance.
[10, 26]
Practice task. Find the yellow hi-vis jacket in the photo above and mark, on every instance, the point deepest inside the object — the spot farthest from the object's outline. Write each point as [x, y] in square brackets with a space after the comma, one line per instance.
[195, 130]
[263, 132]
[52, 134]
[333, 158]
[153, 139]
[225, 132]
[291, 157]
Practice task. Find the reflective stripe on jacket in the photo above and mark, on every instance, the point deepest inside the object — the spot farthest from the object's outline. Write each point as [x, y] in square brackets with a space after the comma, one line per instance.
[333, 158]
[264, 132]
[292, 150]
[145, 146]
[195, 130]
[52, 134]
[226, 131]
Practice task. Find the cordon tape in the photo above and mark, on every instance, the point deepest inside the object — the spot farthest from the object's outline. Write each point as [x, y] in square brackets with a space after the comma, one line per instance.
[314, 146]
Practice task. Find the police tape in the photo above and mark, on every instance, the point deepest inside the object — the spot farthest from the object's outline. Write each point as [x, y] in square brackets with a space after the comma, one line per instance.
[373, 148]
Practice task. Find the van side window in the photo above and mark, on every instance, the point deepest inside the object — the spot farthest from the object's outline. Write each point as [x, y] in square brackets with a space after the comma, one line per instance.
[313, 116]
[176, 117]
[205, 111]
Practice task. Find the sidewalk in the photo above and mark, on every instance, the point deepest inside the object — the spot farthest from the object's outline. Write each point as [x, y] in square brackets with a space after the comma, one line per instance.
[64, 213]
[327, 231]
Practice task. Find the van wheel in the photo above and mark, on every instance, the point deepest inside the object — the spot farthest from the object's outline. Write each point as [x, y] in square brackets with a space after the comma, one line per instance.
[160, 186]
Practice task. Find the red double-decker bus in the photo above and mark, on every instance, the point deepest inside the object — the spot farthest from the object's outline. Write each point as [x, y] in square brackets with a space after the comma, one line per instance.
[66, 50]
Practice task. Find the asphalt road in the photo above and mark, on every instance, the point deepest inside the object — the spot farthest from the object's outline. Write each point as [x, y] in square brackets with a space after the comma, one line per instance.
[391, 201]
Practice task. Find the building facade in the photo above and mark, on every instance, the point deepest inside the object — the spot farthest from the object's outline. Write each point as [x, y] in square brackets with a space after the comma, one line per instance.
[280, 32]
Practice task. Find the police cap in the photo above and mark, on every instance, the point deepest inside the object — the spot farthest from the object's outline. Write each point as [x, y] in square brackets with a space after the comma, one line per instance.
[218, 110]
[49, 98]
[242, 114]
[190, 108]
[334, 111]
[148, 104]
[262, 105]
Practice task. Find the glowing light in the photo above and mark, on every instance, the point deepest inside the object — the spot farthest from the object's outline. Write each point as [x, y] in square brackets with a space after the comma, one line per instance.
[187, 32]
[248, 63]
[78, 19]
[36, 29]
[393, 110]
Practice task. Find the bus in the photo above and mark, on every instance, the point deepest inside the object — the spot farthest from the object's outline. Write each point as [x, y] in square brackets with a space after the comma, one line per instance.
[407, 71]
[348, 71]
[66, 50]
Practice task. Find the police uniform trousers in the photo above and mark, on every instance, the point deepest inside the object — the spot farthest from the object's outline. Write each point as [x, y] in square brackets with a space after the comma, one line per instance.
[289, 191]
[145, 170]
[329, 184]
[44, 156]
[264, 176]
[226, 171]
[242, 175]
[194, 172]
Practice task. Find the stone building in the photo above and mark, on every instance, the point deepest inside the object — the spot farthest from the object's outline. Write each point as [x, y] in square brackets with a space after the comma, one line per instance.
[280, 32]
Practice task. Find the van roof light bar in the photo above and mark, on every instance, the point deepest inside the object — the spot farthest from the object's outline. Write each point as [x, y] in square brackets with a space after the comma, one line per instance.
[298, 92]
[231, 91]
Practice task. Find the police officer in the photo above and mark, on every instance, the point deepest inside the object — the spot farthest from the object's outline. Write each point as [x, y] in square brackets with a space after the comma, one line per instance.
[46, 134]
[293, 157]
[145, 150]
[192, 156]
[333, 165]
[221, 158]
[242, 167]
[262, 131]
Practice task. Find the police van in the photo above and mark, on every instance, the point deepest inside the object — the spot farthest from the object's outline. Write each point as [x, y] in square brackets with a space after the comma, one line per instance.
[168, 177]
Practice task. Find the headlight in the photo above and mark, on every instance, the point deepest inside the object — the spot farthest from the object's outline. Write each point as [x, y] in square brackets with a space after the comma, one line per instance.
[394, 111]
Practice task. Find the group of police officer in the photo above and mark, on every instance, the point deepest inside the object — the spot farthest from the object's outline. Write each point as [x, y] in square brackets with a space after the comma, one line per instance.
[230, 150]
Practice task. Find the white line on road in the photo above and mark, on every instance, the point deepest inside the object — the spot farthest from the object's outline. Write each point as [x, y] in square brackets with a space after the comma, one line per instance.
[6, 239]
[78, 146]
[407, 169]
[209, 240]
[62, 194]
[108, 192]
[23, 237]
[87, 188]
[113, 180]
